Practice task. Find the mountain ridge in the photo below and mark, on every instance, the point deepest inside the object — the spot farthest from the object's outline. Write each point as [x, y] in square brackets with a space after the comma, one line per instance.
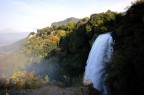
[65, 21]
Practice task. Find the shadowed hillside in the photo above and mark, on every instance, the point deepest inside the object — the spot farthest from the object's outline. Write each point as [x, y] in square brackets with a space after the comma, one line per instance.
[126, 71]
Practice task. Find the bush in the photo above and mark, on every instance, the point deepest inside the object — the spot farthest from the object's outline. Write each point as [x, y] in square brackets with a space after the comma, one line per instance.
[22, 80]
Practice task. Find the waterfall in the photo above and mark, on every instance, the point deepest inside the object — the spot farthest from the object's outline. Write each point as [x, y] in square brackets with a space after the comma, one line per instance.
[99, 55]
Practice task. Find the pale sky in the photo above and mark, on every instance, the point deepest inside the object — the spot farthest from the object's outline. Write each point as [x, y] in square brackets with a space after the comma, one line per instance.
[30, 15]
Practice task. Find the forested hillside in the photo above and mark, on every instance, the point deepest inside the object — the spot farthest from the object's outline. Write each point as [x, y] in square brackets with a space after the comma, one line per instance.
[70, 43]
[126, 70]
[67, 44]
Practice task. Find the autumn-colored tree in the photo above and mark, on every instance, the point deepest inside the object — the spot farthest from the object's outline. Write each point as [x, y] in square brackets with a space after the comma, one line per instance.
[61, 33]
[21, 80]
[54, 38]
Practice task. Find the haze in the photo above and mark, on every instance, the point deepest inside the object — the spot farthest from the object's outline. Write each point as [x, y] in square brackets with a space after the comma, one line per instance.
[29, 15]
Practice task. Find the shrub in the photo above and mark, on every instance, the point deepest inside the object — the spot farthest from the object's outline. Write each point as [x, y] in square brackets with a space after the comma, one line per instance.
[22, 80]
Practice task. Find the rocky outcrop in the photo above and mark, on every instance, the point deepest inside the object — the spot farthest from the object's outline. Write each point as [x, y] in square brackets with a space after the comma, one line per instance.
[31, 35]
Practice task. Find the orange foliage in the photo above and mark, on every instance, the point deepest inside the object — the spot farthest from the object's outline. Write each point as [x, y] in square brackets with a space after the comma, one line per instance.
[54, 38]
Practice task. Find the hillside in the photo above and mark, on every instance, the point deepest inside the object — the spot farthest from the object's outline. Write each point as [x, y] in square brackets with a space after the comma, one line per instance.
[71, 43]
[15, 46]
[10, 57]
[71, 19]
[68, 45]
[9, 38]
[127, 68]
[57, 54]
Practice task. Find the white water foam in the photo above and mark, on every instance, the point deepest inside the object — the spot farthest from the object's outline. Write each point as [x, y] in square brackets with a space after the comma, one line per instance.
[99, 55]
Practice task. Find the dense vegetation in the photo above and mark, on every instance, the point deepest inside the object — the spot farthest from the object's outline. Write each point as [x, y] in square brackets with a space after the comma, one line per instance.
[67, 46]
[126, 71]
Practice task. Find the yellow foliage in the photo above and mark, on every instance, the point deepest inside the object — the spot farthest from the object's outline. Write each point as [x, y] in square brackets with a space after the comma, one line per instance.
[18, 79]
[88, 28]
[61, 33]
[21, 79]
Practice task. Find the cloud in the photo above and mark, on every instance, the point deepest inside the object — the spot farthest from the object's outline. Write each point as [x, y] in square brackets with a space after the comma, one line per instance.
[29, 15]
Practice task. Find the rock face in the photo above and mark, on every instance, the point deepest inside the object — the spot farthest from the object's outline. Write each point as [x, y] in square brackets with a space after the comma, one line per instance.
[31, 35]
[92, 90]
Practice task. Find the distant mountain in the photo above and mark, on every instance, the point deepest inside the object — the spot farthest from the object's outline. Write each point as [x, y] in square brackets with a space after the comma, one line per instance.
[65, 21]
[9, 38]
[15, 46]
[11, 57]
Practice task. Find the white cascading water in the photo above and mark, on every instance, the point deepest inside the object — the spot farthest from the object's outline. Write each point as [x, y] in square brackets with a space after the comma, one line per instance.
[99, 55]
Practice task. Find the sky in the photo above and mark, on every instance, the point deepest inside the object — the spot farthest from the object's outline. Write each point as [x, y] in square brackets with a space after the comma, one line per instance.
[30, 15]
